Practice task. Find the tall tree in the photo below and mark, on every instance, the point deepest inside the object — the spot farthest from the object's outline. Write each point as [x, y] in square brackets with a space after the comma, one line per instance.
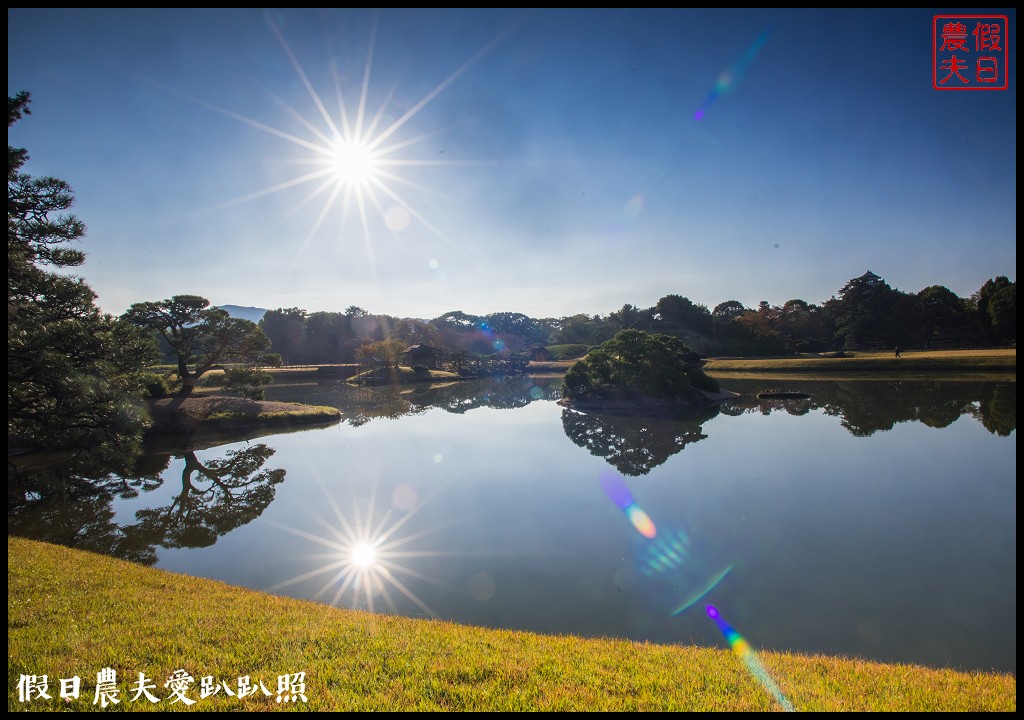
[74, 374]
[416, 332]
[201, 337]
[728, 310]
[676, 313]
[938, 308]
[868, 312]
[804, 326]
[1002, 310]
[329, 336]
[286, 330]
[630, 317]
[995, 304]
[580, 329]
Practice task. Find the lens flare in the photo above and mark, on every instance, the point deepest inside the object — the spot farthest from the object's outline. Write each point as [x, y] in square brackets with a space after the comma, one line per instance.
[699, 594]
[742, 648]
[369, 555]
[728, 79]
[670, 553]
[641, 521]
[619, 494]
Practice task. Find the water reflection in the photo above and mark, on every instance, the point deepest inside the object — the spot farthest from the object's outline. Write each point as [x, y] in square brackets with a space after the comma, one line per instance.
[215, 498]
[367, 552]
[361, 404]
[634, 445]
[866, 406]
[512, 391]
[861, 521]
[71, 503]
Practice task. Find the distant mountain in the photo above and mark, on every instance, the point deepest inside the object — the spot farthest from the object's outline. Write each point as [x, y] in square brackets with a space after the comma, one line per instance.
[246, 313]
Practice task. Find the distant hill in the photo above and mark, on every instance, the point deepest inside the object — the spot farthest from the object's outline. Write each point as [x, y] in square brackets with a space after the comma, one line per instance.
[246, 313]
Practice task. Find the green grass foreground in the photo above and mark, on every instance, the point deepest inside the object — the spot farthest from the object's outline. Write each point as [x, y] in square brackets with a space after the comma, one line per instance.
[72, 613]
[1001, 360]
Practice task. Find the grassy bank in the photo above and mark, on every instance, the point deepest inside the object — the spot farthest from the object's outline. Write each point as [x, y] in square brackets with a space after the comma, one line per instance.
[1003, 360]
[71, 613]
[188, 415]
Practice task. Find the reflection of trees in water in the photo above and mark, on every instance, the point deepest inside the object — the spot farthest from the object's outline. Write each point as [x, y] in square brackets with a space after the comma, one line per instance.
[997, 410]
[382, 401]
[63, 505]
[216, 497]
[863, 414]
[865, 407]
[634, 445]
[71, 503]
[502, 392]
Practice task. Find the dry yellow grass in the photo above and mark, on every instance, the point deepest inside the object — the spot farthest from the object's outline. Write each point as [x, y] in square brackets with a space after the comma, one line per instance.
[71, 613]
[948, 361]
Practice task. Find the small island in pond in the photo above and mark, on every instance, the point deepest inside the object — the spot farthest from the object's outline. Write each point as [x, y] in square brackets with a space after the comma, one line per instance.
[640, 373]
[193, 419]
[400, 375]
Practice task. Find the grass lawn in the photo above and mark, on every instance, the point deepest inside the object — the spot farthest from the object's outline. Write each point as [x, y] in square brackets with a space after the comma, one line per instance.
[1001, 360]
[71, 613]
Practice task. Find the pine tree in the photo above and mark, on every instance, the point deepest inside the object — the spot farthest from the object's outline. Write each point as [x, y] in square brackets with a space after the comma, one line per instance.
[73, 372]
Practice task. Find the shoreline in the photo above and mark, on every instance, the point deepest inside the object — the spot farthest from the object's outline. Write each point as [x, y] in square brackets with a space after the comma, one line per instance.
[204, 417]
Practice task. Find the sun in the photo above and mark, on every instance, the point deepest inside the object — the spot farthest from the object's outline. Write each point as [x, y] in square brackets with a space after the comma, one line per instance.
[368, 555]
[353, 163]
[355, 156]
[363, 555]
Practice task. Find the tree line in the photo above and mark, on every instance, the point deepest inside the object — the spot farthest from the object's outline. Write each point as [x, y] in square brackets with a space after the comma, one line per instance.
[865, 314]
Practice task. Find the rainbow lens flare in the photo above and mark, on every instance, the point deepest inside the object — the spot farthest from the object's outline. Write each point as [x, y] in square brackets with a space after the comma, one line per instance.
[742, 648]
[670, 552]
[728, 79]
[619, 494]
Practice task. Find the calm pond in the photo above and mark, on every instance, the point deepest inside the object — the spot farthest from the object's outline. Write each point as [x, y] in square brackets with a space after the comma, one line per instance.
[876, 518]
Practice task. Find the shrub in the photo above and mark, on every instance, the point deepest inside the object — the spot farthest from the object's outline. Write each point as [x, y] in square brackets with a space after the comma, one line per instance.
[567, 351]
[156, 385]
[248, 381]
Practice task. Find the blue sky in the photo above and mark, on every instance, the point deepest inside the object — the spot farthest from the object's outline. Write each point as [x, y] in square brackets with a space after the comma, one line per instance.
[547, 162]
